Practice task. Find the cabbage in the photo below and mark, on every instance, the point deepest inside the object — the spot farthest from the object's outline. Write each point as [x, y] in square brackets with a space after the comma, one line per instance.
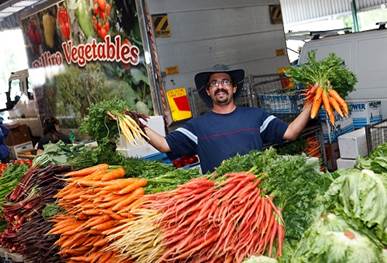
[330, 239]
[361, 196]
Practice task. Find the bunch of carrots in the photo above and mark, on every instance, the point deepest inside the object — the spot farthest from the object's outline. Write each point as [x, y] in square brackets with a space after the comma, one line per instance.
[327, 97]
[328, 81]
[204, 221]
[312, 146]
[130, 125]
[97, 201]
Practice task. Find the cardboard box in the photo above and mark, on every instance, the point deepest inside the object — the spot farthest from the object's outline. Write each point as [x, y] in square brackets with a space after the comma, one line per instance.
[345, 163]
[353, 144]
[18, 134]
[331, 133]
[20, 148]
[332, 153]
[365, 112]
[142, 149]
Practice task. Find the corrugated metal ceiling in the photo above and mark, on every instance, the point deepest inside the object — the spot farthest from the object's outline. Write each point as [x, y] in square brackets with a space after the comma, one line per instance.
[294, 11]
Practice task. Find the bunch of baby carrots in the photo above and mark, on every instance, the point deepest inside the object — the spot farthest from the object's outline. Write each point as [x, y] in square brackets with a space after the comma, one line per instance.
[97, 201]
[328, 82]
[329, 98]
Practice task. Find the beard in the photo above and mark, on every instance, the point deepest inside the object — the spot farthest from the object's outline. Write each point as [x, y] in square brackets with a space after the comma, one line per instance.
[222, 97]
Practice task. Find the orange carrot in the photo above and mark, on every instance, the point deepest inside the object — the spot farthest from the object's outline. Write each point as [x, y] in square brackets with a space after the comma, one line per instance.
[112, 203]
[104, 226]
[128, 200]
[328, 108]
[316, 102]
[100, 243]
[112, 214]
[92, 212]
[95, 221]
[335, 105]
[139, 183]
[88, 170]
[80, 259]
[114, 174]
[118, 184]
[340, 100]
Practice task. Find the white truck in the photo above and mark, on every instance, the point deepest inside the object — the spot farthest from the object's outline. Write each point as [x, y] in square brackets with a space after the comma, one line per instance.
[200, 34]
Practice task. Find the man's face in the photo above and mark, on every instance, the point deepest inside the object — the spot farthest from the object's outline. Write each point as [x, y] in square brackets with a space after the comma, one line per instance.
[221, 89]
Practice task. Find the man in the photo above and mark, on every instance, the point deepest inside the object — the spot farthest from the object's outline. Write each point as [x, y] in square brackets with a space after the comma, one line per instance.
[226, 130]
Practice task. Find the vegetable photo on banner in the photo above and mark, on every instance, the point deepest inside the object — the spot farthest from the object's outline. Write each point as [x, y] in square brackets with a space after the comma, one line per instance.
[327, 83]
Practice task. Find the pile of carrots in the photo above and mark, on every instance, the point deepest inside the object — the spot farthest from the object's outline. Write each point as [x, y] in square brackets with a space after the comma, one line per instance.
[97, 201]
[204, 221]
[329, 99]
[313, 146]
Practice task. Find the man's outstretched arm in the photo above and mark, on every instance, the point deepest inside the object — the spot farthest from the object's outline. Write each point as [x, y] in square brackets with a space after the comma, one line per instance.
[298, 124]
[156, 140]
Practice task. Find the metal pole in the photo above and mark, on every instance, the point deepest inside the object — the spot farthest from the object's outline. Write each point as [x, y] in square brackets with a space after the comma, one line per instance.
[355, 19]
[152, 65]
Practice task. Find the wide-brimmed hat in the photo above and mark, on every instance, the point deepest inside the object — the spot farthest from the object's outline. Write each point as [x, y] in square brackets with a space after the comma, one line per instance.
[201, 80]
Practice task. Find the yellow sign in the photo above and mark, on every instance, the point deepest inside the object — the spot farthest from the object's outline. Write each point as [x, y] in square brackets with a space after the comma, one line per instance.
[178, 103]
[172, 70]
[161, 25]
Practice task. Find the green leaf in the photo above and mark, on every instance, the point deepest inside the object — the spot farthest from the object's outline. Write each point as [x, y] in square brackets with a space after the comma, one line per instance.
[138, 76]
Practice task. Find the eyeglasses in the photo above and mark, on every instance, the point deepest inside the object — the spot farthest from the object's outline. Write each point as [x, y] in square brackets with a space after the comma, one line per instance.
[223, 82]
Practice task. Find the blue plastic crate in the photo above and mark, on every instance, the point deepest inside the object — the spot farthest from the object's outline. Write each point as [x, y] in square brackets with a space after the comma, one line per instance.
[162, 157]
[281, 103]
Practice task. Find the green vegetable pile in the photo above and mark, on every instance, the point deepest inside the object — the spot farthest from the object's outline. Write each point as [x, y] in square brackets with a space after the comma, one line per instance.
[99, 126]
[11, 177]
[332, 239]
[294, 181]
[51, 210]
[360, 196]
[327, 72]
[352, 225]
[170, 180]
[377, 160]
[58, 153]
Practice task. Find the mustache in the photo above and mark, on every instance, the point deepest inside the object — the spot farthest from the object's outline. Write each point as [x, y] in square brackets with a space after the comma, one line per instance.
[221, 90]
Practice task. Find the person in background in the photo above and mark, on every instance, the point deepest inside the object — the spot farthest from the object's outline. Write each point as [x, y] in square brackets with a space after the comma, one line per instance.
[51, 133]
[227, 129]
[4, 150]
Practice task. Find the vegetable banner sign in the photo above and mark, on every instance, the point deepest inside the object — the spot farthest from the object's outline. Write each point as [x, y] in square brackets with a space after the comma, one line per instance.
[98, 47]
[51, 51]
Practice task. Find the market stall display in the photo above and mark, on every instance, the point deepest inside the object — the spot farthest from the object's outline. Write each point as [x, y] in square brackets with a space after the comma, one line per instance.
[110, 208]
[260, 203]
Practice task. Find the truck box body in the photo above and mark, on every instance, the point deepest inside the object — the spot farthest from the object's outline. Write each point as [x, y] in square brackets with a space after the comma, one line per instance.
[205, 33]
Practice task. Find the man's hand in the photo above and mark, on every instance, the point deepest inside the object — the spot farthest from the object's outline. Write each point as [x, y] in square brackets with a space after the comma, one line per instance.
[140, 118]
